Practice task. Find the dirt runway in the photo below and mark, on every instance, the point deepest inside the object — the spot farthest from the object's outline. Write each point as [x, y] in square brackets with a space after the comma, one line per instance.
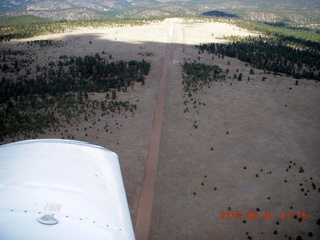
[147, 191]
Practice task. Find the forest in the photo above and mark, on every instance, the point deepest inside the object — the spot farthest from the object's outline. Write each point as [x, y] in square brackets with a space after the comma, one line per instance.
[59, 93]
[273, 30]
[290, 56]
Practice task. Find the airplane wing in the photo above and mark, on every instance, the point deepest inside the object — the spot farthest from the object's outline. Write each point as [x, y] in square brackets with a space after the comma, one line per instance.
[61, 189]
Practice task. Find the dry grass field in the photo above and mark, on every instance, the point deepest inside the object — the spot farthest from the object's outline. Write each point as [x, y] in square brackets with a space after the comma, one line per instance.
[246, 148]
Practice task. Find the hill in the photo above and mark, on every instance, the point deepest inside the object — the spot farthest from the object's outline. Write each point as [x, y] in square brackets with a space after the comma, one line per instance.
[294, 13]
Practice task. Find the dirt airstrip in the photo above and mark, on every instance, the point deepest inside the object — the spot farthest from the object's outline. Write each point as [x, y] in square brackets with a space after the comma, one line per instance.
[241, 163]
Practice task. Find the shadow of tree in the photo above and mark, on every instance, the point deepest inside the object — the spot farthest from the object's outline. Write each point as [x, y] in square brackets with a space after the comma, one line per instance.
[217, 13]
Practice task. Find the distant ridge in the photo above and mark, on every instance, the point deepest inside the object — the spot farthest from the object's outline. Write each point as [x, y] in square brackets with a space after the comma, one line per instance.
[293, 13]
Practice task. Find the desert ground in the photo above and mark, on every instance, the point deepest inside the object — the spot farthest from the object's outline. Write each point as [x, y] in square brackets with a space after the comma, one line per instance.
[237, 174]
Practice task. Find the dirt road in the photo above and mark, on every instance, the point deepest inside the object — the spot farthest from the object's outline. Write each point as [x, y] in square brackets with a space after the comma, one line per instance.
[147, 191]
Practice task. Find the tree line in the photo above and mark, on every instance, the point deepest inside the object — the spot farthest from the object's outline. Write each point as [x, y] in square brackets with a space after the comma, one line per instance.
[88, 74]
[197, 75]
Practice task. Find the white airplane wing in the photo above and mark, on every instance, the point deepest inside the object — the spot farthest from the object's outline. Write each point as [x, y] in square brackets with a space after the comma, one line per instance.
[61, 189]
